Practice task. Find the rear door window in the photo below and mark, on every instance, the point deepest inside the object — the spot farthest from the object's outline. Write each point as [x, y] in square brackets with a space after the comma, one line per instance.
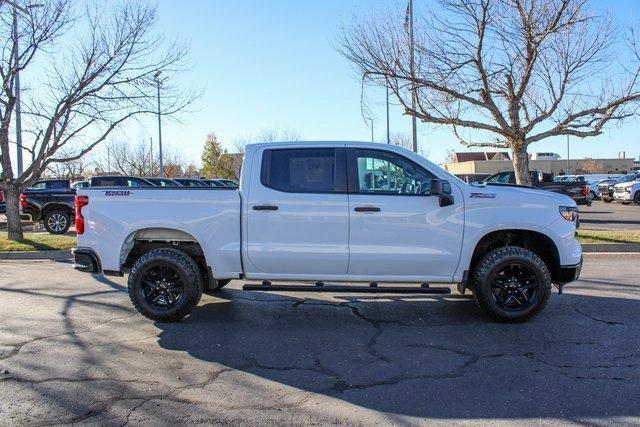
[305, 170]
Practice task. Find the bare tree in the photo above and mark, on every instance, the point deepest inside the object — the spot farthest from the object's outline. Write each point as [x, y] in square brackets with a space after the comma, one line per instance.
[515, 72]
[266, 135]
[95, 80]
[73, 169]
[127, 158]
[401, 139]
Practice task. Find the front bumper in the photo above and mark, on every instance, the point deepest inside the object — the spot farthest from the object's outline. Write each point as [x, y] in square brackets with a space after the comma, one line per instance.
[568, 273]
[86, 260]
[626, 197]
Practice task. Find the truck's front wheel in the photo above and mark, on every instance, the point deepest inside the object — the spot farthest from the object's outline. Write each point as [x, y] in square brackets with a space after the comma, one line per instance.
[165, 285]
[511, 284]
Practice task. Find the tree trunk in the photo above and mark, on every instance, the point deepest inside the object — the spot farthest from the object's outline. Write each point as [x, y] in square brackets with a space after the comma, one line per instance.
[12, 197]
[521, 165]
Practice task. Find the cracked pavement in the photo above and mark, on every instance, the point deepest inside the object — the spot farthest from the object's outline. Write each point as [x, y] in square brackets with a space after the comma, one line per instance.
[75, 351]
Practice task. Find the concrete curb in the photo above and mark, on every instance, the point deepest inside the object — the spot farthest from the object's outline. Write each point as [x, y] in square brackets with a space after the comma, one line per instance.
[610, 247]
[37, 255]
[66, 255]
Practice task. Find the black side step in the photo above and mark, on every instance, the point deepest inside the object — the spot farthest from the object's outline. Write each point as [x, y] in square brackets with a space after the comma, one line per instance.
[349, 289]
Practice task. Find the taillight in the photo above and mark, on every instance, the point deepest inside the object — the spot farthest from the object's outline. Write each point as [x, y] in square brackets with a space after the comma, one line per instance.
[80, 201]
[1, 197]
[23, 201]
[585, 190]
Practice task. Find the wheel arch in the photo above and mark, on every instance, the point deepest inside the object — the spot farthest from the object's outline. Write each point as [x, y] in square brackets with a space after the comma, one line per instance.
[143, 240]
[56, 206]
[535, 241]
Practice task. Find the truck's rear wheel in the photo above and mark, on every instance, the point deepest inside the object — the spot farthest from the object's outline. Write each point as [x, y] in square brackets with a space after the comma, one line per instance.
[511, 284]
[57, 222]
[165, 285]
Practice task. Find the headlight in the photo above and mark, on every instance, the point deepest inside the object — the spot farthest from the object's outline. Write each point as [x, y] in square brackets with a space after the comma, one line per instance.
[628, 189]
[570, 213]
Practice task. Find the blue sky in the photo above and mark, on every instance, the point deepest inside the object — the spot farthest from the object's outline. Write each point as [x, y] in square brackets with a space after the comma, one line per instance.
[272, 64]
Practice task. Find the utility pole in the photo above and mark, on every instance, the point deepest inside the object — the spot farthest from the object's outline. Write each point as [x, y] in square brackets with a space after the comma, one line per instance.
[17, 93]
[156, 78]
[388, 136]
[371, 121]
[568, 173]
[414, 131]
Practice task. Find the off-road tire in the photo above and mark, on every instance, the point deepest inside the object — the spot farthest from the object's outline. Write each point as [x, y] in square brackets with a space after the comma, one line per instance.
[490, 264]
[189, 273]
[65, 221]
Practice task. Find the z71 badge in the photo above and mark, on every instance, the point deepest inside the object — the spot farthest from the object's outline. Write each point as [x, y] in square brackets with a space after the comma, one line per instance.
[483, 195]
[117, 193]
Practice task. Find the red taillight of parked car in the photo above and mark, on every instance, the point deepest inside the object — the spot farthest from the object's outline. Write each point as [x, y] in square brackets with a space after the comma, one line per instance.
[1, 197]
[585, 190]
[23, 201]
[80, 201]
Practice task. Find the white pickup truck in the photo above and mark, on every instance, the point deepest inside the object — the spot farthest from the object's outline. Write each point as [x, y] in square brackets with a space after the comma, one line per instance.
[627, 192]
[327, 212]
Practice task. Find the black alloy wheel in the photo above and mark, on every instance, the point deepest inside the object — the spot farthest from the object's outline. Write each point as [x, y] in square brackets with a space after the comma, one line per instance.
[514, 286]
[162, 286]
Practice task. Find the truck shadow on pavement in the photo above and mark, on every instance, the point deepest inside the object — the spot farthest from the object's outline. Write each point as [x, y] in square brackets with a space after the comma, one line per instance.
[427, 356]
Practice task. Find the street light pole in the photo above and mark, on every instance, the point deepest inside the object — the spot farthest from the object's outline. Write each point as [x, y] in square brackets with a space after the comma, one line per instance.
[371, 120]
[16, 55]
[414, 131]
[157, 80]
[388, 136]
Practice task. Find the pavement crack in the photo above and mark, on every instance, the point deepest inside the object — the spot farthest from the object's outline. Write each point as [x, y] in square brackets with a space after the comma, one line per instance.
[588, 316]
[17, 347]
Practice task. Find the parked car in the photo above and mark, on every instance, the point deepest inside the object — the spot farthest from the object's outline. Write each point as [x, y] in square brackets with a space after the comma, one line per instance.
[54, 207]
[578, 191]
[228, 182]
[311, 212]
[591, 179]
[44, 184]
[191, 182]
[118, 181]
[606, 187]
[627, 192]
[79, 184]
[217, 182]
[163, 182]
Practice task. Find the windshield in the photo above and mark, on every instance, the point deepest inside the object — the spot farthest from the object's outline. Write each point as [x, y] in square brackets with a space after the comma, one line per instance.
[628, 178]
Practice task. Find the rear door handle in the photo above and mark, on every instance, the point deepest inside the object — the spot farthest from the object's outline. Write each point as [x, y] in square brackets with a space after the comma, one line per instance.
[265, 208]
[367, 209]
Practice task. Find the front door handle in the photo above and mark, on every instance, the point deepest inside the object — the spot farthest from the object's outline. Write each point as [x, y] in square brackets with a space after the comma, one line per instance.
[367, 209]
[265, 208]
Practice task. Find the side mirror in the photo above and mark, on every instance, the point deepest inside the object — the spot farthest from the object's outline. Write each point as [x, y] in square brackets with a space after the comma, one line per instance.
[442, 189]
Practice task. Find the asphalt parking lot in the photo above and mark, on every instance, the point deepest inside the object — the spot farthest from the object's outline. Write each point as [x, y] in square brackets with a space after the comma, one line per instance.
[610, 216]
[73, 350]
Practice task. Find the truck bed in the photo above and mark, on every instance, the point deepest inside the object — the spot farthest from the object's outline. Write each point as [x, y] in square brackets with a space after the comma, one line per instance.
[210, 216]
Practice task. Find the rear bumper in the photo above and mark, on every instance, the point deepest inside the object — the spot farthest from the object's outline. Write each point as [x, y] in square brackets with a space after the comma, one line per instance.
[568, 273]
[85, 259]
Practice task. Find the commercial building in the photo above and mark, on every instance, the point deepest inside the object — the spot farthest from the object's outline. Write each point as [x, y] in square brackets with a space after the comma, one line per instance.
[480, 163]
